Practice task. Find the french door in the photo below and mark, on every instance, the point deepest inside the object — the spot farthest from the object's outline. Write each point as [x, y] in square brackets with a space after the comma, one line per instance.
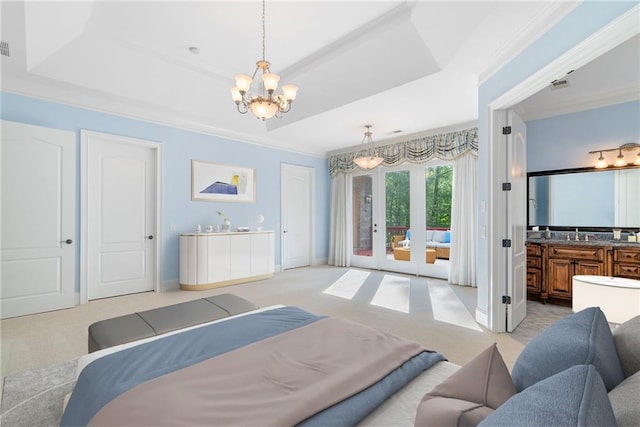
[386, 202]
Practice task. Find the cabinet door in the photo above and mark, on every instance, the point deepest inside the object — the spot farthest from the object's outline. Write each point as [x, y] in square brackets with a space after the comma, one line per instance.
[533, 281]
[218, 262]
[560, 275]
[240, 252]
[261, 254]
[589, 268]
[188, 260]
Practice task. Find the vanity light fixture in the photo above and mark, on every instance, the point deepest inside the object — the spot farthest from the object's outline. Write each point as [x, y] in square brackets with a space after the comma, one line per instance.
[620, 159]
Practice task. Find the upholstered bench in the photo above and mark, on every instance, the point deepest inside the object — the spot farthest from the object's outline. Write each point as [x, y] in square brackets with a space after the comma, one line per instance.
[145, 324]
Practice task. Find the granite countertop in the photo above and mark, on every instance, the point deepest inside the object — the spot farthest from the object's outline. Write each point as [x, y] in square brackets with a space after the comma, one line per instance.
[582, 242]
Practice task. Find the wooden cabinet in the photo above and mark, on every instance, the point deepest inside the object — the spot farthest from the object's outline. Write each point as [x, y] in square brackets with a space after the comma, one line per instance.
[534, 270]
[552, 265]
[564, 262]
[626, 262]
[211, 260]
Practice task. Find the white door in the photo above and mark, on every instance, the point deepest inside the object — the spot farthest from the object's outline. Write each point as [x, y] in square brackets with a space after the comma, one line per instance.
[38, 219]
[297, 216]
[516, 221]
[120, 219]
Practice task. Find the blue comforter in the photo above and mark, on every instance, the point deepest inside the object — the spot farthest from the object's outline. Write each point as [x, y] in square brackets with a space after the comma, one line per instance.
[106, 378]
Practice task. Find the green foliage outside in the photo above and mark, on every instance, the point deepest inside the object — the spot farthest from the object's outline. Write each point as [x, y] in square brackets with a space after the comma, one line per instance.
[439, 191]
[398, 200]
[439, 180]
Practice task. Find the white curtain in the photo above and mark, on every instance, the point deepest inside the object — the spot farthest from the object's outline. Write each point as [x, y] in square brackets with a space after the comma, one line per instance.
[464, 221]
[340, 238]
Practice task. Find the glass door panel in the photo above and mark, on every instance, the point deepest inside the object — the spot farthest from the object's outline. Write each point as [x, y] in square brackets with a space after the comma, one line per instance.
[362, 215]
[438, 195]
[397, 214]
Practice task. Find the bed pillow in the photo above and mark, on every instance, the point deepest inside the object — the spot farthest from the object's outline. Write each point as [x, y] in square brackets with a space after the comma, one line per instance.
[581, 338]
[627, 340]
[574, 397]
[625, 401]
[470, 394]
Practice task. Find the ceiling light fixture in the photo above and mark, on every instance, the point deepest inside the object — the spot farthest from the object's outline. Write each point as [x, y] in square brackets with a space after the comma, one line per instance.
[366, 159]
[620, 159]
[265, 104]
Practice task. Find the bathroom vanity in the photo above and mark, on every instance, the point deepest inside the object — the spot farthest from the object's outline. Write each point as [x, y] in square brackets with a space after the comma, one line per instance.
[552, 263]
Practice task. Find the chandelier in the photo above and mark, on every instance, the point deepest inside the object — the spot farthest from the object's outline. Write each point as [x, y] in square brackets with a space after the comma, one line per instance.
[366, 158]
[264, 104]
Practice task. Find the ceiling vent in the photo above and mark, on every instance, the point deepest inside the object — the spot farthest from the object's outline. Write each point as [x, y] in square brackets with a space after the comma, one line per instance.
[4, 48]
[559, 84]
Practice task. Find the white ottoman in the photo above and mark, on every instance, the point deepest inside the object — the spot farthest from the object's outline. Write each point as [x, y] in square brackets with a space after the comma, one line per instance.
[617, 297]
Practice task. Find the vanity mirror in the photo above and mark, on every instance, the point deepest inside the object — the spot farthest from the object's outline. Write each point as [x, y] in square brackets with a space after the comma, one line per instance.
[589, 198]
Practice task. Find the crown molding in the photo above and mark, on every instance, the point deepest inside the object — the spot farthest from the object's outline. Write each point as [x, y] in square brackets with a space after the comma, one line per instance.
[611, 35]
[97, 101]
[544, 20]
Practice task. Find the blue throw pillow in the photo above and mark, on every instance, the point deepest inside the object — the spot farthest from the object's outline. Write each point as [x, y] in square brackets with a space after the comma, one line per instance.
[574, 397]
[408, 235]
[582, 338]
[447, 237]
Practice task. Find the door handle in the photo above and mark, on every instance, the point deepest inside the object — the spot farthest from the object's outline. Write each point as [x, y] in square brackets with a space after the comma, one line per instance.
[150, 237]
[284, 231]
[68, 241]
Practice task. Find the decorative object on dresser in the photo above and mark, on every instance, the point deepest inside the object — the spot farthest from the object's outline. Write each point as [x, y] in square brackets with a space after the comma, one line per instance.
[221, 259]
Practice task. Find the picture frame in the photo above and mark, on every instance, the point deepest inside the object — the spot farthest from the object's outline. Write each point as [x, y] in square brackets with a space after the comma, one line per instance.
[218, 182]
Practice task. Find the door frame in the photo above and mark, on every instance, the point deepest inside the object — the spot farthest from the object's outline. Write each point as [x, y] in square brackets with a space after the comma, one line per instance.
[600, 42]
[84, 208]
[312, 207]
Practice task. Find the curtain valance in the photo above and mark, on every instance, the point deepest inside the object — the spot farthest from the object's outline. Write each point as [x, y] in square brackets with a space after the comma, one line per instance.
[445, 146]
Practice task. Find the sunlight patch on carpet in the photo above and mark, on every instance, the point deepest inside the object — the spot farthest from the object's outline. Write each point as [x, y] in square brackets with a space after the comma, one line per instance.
[393, 293]
[348, 284]
[448, 308]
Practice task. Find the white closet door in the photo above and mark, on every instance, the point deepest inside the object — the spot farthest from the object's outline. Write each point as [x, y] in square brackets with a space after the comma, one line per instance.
[38, 219]
[121, 211]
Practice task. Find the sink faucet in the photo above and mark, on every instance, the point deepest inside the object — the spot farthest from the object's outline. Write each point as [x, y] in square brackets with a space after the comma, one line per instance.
[577, 235]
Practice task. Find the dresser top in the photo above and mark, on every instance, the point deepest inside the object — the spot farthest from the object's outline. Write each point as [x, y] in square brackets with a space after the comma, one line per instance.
[230, 233]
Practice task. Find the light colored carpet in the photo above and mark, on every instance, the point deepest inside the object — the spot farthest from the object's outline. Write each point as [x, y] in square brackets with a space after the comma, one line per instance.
[33, 396]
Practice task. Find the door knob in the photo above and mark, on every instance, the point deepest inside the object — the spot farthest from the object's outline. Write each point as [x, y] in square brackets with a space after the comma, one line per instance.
[284, 231]
[68, 241]
[150, 237]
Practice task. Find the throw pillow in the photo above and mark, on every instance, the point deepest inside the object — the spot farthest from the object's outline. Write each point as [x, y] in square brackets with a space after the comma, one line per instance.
[625, 401]
[581, 338]
[438, 236]
[470, 394]
[627, 340]
[574, 397]
[447, 237]
[429, 235]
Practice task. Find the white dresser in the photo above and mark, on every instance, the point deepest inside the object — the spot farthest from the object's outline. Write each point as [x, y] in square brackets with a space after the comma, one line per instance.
[211, 260]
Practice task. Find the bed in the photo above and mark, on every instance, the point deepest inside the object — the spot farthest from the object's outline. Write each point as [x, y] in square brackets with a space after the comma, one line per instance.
[277, 365]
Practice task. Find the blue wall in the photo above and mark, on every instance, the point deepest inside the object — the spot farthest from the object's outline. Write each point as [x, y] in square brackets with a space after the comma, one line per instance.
[583, 21]
[564, 142]
[179, 148]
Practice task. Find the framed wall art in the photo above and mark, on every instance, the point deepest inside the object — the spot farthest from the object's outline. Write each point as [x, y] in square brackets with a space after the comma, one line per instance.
[216, 182]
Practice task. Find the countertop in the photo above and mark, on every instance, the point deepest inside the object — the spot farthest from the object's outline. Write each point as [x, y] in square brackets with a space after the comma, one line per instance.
[558, 241]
